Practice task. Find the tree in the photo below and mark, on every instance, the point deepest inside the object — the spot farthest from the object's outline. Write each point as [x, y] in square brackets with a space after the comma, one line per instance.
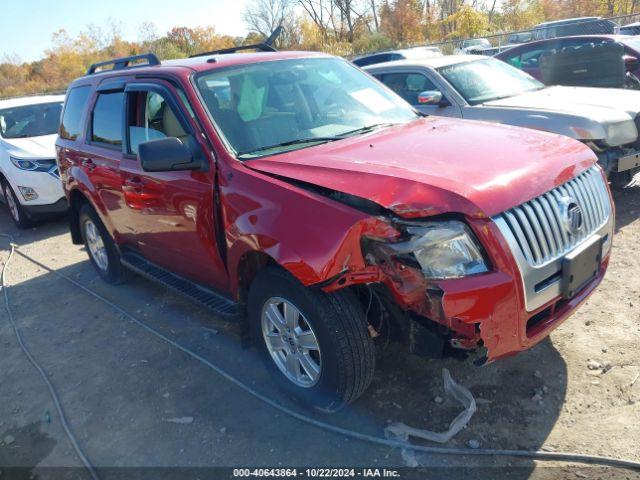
[401, 21]
[264, 16]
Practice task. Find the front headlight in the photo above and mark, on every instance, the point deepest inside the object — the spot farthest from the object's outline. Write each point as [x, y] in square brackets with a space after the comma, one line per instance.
[443, 250]
[35, 165]
[621, 133]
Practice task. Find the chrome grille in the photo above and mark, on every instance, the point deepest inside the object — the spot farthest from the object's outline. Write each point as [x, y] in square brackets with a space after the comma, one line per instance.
[538, 226]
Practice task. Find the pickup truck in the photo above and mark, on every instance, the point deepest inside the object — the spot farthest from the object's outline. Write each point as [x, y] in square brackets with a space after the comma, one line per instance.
[293, 193]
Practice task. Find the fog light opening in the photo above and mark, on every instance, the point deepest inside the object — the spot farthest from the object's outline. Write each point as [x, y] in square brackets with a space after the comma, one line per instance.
[28, 193]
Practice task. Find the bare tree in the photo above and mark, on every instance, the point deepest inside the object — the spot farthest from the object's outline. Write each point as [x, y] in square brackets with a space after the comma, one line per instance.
[264, 16]
[339, 18]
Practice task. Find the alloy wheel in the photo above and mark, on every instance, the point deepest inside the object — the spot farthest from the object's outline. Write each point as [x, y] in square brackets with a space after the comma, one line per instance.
[291, 342]
[96, 246]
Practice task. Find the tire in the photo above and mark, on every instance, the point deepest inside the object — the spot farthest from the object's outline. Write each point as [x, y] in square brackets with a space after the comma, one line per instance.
[100, 247]
[619, 180]
[345, 354]
[16, 211]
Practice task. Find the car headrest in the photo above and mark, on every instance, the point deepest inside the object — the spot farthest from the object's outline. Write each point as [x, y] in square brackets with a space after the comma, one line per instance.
[172, 127]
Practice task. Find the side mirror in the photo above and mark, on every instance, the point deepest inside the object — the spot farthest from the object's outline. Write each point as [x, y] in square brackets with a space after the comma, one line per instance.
[167, 155]
[430, 97]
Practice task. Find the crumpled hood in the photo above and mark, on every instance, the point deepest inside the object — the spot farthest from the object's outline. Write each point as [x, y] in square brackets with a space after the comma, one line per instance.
[606, 105]
[438, 165]
[32, 147]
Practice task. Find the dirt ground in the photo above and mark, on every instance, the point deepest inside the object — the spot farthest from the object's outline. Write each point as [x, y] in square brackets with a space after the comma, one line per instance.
[124, 390]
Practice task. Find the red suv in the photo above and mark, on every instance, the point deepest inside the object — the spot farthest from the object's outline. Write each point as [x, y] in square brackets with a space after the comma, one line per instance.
[294, 193]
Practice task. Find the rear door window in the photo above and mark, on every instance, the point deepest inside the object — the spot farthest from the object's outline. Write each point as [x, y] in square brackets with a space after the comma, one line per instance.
[74, 106]
[107, 119]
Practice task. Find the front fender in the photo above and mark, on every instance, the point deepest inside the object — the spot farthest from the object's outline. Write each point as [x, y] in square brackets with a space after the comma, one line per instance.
[313, 237]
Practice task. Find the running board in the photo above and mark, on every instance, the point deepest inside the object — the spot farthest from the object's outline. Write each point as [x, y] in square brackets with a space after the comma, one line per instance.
[219, 304]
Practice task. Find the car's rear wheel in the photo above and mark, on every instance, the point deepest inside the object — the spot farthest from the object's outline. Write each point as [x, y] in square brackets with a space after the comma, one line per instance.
[101, 248]
[316, 344]
[16, 210]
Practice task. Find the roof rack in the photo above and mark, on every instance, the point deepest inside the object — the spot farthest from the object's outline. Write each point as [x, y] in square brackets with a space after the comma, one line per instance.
[266, 46]
[125, 62]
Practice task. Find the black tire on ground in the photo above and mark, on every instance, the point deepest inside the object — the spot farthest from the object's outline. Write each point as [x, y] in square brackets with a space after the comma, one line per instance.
[346, 350]
[23, 220]
[114, 273]
[619, 180]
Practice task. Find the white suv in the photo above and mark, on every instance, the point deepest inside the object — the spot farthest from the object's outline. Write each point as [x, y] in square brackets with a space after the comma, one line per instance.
[31, 186]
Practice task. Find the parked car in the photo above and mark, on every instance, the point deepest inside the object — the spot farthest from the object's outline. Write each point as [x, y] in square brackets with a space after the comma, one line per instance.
[520, 37]
[472, 45]
[631, 29]
[29, 178]
[404, 54]
[316, 207]
[487, 51]
[574, 26]
[482, 88]
[528, 57]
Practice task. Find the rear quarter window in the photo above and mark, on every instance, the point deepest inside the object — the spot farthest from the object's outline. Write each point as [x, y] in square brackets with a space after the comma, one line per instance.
[75, 103]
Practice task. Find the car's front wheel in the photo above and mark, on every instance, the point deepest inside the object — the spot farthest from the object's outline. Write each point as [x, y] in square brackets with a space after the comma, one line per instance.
[17, 212]
[101, 248]
[316, 344]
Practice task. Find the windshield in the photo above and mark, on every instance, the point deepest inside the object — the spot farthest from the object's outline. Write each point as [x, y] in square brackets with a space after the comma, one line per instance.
[30, 120]
[272, 107]
[488, 79]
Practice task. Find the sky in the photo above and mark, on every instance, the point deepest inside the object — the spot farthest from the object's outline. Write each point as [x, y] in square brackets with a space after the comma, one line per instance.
[27, 25]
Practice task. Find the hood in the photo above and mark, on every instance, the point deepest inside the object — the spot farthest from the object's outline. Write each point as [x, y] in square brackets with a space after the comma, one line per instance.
[438, 165]
[32, 147]
[607, 105]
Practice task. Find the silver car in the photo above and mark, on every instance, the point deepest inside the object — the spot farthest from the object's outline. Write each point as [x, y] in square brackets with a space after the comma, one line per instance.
[482, 88]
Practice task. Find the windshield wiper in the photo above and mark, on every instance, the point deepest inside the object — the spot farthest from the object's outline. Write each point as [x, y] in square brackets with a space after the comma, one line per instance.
[297, 141]
[300, 141]
[365, 129]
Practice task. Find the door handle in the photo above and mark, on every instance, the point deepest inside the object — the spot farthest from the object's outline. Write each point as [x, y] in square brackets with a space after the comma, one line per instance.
[133, 182]
[88, 164]
[134, 185]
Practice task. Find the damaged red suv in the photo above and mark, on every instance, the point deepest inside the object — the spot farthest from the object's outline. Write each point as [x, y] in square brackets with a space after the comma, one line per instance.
[293, 193]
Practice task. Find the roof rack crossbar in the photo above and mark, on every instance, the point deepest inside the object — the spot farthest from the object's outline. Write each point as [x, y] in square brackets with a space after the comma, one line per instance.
[125, 62]
[266, 46]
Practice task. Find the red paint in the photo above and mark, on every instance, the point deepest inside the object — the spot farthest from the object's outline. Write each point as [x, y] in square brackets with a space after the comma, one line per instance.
[430, 167]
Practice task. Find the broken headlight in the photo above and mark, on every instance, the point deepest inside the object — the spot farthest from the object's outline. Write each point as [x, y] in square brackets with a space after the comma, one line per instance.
[621, 133]
[442, 250]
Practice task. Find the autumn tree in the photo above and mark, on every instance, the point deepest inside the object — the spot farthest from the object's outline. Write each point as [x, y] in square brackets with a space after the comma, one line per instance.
[401, 21]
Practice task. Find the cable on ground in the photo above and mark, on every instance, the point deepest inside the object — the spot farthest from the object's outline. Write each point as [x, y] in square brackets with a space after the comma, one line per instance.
[486, 452]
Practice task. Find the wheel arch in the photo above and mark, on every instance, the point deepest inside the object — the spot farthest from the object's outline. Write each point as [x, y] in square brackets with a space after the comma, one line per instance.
[76, 200]
[249, 265]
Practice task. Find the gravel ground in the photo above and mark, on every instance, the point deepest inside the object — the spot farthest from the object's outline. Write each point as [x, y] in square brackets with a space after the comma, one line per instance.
[135, 401]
